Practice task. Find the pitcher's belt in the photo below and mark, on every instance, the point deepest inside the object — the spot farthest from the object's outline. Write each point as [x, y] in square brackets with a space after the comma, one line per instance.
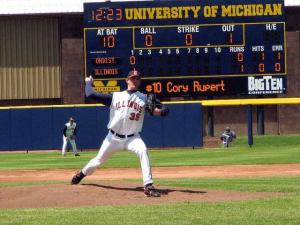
[121, 135]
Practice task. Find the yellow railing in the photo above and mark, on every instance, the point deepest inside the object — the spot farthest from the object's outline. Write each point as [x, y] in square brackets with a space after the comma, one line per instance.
[227, 102]
[232, 102]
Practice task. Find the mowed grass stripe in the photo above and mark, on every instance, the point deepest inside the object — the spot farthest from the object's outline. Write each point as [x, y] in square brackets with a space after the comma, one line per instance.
[270, 211]
[267, 150]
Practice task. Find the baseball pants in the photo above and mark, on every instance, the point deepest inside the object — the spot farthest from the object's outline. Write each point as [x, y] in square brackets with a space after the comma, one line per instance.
[226, 139]
[65, 142]
[112, 144]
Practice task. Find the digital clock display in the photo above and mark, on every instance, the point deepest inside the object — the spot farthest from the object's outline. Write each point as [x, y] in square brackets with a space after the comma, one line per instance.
[187, 48]
[107, 14]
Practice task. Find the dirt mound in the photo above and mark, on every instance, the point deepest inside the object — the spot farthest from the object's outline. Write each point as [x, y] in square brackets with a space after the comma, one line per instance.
[110, 193]
[102, 189]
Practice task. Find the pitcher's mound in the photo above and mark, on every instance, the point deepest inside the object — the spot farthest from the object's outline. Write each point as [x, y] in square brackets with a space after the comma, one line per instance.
[111, 193]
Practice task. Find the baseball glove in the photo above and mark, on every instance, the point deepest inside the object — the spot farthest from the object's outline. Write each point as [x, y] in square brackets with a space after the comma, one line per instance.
[150, 103]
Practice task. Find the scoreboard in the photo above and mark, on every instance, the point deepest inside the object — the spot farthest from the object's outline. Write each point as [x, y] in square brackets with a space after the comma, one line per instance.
[187, 48]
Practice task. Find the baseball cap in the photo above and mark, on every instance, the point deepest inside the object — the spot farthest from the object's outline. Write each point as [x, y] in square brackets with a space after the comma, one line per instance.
[134, 73]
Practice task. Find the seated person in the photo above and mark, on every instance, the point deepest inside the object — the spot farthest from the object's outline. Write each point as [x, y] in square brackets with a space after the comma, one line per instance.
[227, 137]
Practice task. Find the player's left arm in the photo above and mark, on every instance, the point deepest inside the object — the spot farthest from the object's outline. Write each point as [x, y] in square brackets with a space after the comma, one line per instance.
[74, 133]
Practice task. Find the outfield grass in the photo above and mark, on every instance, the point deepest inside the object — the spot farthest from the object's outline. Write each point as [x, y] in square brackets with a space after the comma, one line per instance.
[281, 211]
[270, 211]
[266, 150]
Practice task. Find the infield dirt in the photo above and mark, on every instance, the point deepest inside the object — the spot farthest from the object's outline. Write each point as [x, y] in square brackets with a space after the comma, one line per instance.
[102, 188]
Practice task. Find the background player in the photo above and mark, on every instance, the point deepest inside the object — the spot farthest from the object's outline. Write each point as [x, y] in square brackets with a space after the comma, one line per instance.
[127, 110]
[227, 137]
[69, 134]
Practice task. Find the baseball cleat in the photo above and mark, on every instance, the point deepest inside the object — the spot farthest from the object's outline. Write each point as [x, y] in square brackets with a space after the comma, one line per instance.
[77, 154]
[150, 191]
[77, 178]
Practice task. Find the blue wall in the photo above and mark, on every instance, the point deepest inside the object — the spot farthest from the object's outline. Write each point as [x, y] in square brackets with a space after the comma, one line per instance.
[41, 128]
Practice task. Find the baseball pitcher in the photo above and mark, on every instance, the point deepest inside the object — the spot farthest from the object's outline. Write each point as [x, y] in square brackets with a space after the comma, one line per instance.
[127, 111]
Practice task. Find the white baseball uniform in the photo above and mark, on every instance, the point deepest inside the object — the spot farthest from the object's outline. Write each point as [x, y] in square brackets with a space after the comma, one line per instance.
[68, 135]
[127, 111]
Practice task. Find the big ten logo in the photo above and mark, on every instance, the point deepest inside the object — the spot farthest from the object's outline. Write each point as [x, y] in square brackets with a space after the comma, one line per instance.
[265, 85]
[110, 86]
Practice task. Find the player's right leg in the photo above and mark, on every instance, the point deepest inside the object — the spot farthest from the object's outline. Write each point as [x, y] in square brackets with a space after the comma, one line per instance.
[108, 147]
[64, 147]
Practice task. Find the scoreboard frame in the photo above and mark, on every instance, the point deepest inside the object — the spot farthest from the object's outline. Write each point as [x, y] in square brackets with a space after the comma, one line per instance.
[105, 60]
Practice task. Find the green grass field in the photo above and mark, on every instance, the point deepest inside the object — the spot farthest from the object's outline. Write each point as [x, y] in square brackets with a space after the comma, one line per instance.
[266, 150]
[269, 211]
